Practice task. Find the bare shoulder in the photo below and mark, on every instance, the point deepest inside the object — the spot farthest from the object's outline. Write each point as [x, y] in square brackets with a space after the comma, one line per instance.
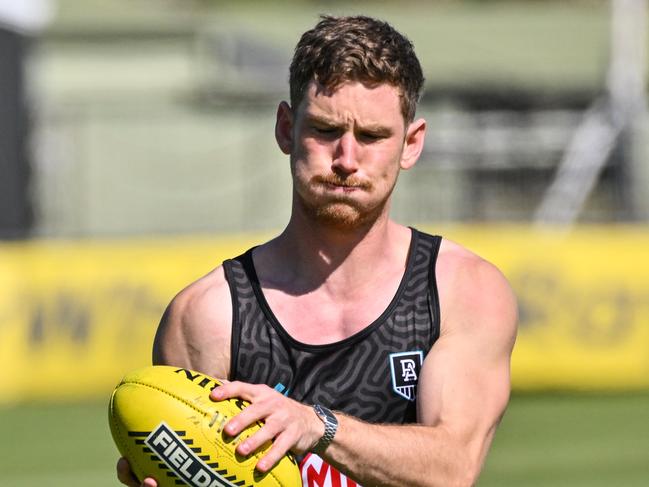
[195, 330]
[474, 294]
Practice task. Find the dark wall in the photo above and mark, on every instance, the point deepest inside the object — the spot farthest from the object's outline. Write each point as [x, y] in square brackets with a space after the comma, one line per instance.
[15, 207]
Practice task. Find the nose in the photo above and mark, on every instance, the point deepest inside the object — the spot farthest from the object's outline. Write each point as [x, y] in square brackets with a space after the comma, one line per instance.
[345, 160]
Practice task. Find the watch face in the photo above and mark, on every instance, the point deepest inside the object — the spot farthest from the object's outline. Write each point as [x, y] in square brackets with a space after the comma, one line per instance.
[325, 414]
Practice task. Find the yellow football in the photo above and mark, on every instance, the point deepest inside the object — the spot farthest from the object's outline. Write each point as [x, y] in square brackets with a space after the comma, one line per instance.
[165, 424]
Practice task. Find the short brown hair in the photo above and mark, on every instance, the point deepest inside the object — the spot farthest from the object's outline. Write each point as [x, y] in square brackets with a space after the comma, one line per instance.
[358, 48]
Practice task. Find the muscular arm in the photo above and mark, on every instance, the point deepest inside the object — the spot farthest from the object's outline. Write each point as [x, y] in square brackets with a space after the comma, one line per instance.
[463, 392]
[196, 326]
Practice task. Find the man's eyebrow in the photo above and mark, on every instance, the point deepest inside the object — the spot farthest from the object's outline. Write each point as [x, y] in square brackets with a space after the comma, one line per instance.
[323, 120]
[374, 128]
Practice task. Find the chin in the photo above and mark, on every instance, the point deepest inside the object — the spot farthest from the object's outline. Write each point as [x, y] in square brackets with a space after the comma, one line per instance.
[341, 212]
[342, 216]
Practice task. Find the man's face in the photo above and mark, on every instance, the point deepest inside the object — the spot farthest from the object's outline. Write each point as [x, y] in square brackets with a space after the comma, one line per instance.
[346, 152]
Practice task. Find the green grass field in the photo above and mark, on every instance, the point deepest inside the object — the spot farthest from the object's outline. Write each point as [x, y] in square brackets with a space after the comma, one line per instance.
[544, 440]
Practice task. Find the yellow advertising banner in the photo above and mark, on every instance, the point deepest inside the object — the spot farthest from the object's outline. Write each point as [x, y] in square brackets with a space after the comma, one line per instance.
[75, 316]
[583, 302]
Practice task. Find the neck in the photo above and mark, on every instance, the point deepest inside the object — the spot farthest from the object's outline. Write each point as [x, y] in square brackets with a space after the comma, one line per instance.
[309, 254]
[330, 246]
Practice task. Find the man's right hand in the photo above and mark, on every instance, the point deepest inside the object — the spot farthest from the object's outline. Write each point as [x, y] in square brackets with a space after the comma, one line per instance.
[126, 476]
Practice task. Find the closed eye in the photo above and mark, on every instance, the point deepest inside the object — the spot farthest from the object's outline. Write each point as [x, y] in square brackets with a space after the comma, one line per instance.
[326, 131]
[370, 137]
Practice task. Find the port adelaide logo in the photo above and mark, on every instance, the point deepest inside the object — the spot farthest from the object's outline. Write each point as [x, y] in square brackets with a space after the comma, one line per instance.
[405, 367]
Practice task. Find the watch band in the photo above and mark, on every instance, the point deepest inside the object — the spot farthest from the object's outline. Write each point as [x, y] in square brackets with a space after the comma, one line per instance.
[331, 426]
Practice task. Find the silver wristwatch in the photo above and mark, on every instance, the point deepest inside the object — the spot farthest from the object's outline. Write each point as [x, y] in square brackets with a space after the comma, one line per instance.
[331, 426]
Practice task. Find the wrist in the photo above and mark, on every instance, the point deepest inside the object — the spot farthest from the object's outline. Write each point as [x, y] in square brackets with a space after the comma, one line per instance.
[330, 424]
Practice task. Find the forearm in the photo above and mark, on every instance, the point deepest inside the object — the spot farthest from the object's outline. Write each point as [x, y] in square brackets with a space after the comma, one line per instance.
[447, 454]
[412, 455]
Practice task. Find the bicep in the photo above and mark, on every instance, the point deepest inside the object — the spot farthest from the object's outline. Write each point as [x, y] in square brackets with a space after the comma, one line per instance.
[464, 383]
[460, 389]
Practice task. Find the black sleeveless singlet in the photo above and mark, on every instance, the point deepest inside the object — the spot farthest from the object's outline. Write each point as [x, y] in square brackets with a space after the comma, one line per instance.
[371, 375]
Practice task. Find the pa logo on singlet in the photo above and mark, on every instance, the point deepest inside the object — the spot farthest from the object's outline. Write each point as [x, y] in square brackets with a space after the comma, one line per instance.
[405, 367]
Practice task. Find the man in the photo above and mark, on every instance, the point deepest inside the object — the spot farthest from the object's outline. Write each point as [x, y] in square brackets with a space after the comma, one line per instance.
[402, 340]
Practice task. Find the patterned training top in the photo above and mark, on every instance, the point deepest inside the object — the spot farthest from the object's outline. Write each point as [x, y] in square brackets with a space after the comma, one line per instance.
[372, 374]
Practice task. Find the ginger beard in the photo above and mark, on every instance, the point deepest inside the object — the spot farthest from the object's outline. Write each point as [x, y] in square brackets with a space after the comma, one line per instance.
[346, 208]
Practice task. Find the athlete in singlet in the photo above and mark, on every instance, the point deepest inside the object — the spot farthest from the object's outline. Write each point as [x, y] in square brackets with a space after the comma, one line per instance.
[376, 353]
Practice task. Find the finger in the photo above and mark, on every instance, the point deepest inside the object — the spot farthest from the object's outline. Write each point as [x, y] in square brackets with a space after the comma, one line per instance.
[224, 391]
[281, 446]
[233, 389]
[248, 416]
[126, 476]
[261, 438]
[124, 473]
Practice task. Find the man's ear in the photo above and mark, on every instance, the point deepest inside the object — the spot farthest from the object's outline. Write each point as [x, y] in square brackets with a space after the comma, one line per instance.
[413, 143]
[284, 128]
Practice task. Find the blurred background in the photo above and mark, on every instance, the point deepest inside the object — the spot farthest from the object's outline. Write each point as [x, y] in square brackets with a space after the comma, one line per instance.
[137, 152]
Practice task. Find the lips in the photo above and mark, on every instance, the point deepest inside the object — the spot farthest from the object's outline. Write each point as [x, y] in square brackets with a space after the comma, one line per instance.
[338, 184]
[342, 187]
